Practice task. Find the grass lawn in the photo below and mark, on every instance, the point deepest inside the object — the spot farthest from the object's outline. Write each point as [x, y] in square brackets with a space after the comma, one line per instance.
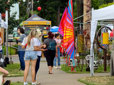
[11, 51]
[13, 70]
[107, 80]
[77, 69]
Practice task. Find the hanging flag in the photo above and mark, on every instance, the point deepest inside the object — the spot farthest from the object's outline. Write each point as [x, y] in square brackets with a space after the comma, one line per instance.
[69, 31]
[62, 23]
[66, 29]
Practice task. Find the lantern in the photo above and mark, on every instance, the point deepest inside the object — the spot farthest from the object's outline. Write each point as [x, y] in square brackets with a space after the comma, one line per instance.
[106, 38]
[111, 34]
[47, 28]
[39, 8]
[3, 15]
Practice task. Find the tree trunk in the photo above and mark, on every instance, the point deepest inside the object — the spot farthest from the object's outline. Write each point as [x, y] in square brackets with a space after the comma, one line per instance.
[86, 21]
[79, 13]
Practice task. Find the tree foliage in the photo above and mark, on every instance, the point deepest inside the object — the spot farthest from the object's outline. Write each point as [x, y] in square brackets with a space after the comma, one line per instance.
[51, 9]
[105, 5]
[97, 3]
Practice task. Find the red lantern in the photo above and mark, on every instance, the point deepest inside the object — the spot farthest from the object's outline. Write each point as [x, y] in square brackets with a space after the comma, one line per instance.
[39, 8]
[47, 28]
[3, 15]
[111, 34]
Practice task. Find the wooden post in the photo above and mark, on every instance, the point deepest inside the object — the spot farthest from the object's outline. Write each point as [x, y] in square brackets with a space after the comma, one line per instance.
[105, 60]
[112, 64]
[86, 21]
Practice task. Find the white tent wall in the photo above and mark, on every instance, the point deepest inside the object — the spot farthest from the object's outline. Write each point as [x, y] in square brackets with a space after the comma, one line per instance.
[104, 14]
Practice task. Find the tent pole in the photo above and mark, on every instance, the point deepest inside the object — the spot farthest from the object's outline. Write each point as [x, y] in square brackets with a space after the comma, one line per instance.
[7, 34]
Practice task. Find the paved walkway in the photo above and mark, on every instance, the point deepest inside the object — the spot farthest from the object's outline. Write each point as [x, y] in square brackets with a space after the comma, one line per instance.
[58, 78]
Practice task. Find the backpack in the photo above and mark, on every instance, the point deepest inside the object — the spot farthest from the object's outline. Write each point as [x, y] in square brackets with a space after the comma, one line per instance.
[52, 45]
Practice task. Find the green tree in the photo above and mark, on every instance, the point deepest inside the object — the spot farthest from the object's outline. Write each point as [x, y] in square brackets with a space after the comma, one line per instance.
[97, 3]
[51, 9]
[4, 4]
[105, 5]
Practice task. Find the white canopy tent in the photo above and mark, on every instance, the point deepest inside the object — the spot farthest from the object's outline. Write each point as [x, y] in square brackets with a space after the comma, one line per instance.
[103, 14]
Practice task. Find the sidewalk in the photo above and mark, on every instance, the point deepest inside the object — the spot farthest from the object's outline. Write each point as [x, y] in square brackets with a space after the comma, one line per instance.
[58, 78]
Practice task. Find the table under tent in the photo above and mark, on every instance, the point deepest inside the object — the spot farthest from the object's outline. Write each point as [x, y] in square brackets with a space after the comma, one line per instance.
[36, 22]
[103, 16]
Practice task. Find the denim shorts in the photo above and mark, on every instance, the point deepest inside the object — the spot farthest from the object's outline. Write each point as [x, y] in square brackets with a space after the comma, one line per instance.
[30, 55]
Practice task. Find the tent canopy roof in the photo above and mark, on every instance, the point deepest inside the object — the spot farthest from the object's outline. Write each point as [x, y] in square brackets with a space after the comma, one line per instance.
[36, 20]
[105, 14]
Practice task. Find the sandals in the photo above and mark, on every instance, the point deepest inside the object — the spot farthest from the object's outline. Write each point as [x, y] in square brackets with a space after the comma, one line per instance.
[38, 83]
[50, 72]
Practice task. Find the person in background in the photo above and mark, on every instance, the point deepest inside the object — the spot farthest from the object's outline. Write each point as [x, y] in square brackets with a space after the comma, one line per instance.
[30, 43]
[51, 51]
[58, 41]
[21, 51]
[0, 44]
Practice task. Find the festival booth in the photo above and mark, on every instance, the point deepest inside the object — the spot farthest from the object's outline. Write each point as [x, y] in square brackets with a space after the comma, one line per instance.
[104, 15]
[36, 22]
[54, 29]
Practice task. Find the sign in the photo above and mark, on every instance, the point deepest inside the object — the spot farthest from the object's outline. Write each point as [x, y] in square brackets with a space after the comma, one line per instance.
[14, 10]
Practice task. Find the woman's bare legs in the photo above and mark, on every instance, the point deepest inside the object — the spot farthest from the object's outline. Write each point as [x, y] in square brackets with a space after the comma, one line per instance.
[33, 65]
[5, 72]
[27, 64]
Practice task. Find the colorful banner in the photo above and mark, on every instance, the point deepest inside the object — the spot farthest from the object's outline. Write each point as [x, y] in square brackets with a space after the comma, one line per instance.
[66, 29]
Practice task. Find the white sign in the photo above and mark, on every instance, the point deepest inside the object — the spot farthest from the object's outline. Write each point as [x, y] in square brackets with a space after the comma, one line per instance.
[15, 10]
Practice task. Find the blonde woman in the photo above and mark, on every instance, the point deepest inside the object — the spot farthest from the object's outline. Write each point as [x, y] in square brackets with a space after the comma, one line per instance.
[39, 52]
[30, 44]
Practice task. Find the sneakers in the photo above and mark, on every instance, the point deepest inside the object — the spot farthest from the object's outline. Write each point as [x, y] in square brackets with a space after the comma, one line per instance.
[25, 83]
[59, 67]
[55, 67]
[34, 83]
